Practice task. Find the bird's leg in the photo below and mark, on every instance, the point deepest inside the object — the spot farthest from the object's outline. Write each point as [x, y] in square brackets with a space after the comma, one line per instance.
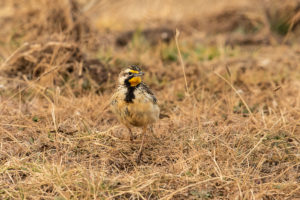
[142, 144]
[152, 131]
[130, 133]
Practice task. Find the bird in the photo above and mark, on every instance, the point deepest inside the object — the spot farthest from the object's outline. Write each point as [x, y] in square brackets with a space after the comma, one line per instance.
[134, 103]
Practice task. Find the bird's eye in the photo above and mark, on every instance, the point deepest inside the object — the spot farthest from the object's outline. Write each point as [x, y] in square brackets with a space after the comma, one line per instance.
[129, 73]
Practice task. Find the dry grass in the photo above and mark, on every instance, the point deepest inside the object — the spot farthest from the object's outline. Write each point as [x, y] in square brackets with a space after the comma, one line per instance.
[234, 135]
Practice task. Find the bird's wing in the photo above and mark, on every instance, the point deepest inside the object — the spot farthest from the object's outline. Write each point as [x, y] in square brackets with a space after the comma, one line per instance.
[147, 89]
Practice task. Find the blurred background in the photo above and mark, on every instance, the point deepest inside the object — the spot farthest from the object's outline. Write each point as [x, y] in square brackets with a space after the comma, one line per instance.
[214, 16]
[95, 29]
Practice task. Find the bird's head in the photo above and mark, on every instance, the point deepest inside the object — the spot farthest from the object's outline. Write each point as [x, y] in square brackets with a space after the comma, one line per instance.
[131, 77]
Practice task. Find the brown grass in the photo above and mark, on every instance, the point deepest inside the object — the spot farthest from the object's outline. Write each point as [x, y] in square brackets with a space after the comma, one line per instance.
[235, 135]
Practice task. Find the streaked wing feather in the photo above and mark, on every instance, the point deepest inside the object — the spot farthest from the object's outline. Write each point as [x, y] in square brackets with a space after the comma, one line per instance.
[147, 89]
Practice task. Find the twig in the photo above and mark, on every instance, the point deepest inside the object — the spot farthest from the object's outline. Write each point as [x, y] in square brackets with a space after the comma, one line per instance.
[26, 44]
[181, 60]
[189, 186]
[218, 168]
[293, 21]
[260, 141]
[29, 86]
[239, 95]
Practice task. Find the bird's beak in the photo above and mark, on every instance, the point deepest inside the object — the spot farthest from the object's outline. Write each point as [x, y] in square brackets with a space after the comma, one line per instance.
[139, 74]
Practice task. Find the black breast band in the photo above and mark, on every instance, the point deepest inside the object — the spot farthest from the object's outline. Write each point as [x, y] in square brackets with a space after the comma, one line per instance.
[130, 91]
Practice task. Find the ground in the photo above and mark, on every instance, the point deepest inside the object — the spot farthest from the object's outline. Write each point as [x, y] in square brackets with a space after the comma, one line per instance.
[229, 90]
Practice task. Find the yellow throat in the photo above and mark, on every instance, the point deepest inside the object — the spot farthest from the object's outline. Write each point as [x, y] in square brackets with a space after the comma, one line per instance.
[134, 81]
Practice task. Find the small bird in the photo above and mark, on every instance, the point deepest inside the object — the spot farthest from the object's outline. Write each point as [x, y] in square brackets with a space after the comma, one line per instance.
[133, 103]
